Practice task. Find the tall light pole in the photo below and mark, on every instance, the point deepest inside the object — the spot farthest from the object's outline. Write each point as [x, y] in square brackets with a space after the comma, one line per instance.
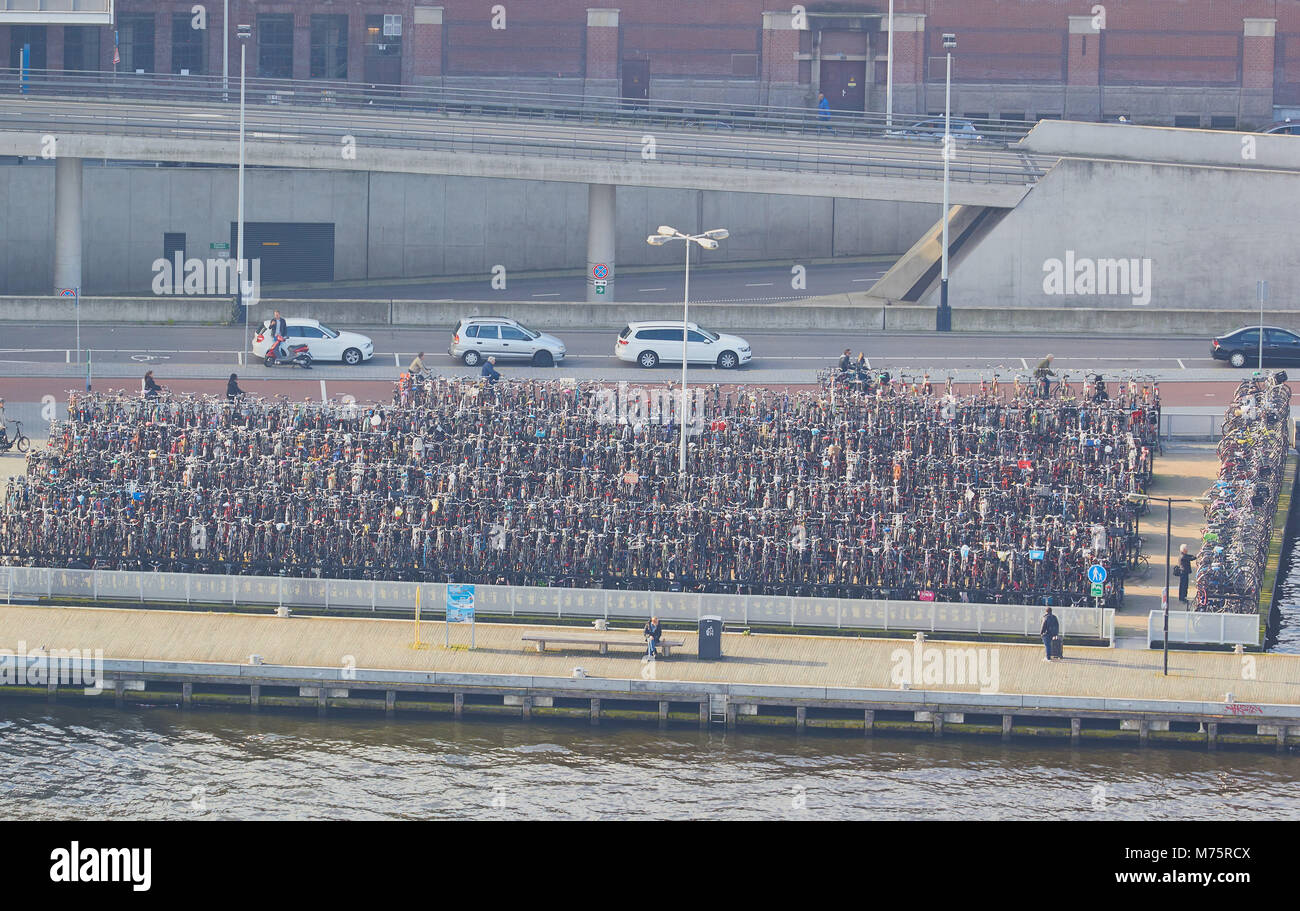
[245, 31]
[225, 50]
[709, 241]
[1169, 524]
[943, 317]
[889, 72]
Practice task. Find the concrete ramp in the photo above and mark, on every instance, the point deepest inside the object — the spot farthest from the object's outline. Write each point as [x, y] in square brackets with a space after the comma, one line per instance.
[919, 268]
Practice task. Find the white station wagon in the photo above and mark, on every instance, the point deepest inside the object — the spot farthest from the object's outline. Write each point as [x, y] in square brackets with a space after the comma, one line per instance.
[649, 343]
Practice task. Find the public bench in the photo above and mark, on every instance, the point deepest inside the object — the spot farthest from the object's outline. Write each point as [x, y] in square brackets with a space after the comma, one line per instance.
[665, 645]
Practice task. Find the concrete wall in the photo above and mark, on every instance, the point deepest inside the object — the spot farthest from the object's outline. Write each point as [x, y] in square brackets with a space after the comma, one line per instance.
[1139, 143]
[1209, 233]
[403, 226]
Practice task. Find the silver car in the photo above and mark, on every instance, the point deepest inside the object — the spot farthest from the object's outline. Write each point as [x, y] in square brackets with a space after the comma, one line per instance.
[475, 338]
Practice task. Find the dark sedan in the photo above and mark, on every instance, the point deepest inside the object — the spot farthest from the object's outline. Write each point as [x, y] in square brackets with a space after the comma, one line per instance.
[1241, 348]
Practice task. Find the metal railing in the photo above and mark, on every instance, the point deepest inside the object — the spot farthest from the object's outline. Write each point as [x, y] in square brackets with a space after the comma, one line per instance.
[1203, 628]
[560, 603]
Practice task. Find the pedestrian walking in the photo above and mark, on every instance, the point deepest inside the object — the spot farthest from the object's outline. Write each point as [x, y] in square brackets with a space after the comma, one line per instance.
[1184, 572]
[824, 112]
[1050, 629]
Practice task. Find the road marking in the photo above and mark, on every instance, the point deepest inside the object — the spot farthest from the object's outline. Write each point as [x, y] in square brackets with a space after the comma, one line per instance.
[1024, 363]
[652, 289]
[1180, 363]
[759, 284]
[323, 396]
[552, 294]
[863, 279]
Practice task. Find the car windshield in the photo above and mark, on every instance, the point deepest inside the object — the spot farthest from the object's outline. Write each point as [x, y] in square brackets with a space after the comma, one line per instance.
[528, 332]
[329, 333]
[713, 336]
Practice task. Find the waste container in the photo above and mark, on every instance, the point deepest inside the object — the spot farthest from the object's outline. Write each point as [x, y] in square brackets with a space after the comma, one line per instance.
[710, 646]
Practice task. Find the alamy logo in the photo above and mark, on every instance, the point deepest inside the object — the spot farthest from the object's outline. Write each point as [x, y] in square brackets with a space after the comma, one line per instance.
[60, 666]
[209, 278]
[649, 406]
[1083, 276]
[931, 666]
[76, 864]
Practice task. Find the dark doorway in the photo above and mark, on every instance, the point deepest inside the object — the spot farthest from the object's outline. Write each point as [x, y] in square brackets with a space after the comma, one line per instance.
[845, 84]
[27, 34]
[383, 50]
[173, 243]
[290, 252]
[636, 81]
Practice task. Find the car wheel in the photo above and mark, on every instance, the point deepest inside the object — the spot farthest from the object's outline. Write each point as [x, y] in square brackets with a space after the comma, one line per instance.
[543, 359]
[1237, 359]
[471, 358]
[648, 359]
[728, 360]
[352, 357]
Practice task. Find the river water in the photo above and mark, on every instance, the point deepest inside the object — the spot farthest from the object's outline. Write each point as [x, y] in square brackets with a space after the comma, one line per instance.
[95, 762]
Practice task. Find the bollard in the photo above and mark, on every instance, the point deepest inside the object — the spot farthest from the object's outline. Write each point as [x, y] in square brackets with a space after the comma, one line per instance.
[595, 711]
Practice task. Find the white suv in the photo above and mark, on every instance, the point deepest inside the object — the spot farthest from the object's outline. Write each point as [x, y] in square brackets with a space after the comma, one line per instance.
[649, 343]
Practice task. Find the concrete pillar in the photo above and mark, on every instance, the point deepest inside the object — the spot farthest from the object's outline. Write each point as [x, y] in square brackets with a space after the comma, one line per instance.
[390, 703]
[731, 715]
[909, 65]
[1006, 727]
[704, 714]
[595, 711]
[255, 697]
[322, 703]
[663, 714]
[162, 41]
[800, 718]
[869, 717]
[938, 724]
[600, 240]
[1144, 731]
[1281, 730]
[67, 223]
[1076, 727]
[426, 45]
[301, 45]
[526, 708]
[780, 73]
[1083, 71]
[1212, 735]
[602, 54]
[458, 705]
[187, 694]
[1259, 42]
[119, 692]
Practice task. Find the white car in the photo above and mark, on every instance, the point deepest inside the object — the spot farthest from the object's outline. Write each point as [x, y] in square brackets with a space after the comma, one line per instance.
[324, 343]
[649, 343]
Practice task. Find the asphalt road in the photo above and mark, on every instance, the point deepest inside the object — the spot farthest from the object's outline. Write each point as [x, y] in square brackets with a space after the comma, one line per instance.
[755, 284]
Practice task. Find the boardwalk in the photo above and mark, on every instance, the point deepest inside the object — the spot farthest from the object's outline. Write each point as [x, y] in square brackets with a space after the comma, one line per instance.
[757, 659]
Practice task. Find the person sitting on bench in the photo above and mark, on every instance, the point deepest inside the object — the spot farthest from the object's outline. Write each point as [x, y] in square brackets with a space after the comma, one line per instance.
[653, 631]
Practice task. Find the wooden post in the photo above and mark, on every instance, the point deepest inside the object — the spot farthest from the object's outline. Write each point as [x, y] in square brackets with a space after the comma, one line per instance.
[255, 696]
[1212, 734]
[390, 703]
[800, 718]
[1281, 736]
[869, 716]
[704, 714]
[321, 701]
[1076, 727]
[731, 714]
[663, 714]
[458, 705]
[526, 708]
[119, 692]
[1144, 731]
[1006, 727]
[187, 694]
[595, 711]
[938, 723]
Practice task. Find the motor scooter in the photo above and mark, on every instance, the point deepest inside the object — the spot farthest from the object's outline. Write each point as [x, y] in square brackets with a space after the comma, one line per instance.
[280, 353]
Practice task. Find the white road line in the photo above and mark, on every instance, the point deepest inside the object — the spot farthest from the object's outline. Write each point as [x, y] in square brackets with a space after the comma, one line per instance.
[323, 396]
[1024, 363]
[396, 363]
[759, 284]
[863, 279]
[1180, 363]
[554, 294]
[651, 289]
[868, 363]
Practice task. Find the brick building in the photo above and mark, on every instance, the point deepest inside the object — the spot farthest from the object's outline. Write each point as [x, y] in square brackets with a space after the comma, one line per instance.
[1212, 63]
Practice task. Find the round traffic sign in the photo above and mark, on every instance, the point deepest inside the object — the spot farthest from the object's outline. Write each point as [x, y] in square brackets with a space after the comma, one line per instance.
[600, 270]
[1096, 574]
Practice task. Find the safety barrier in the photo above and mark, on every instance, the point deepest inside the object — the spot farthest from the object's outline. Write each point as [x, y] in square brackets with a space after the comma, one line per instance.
[1203, 628]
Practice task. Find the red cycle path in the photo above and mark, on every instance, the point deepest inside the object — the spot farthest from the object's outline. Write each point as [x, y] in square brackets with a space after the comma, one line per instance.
[33, 389]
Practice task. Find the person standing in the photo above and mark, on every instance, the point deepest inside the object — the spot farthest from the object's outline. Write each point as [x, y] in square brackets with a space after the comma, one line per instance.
[279, 329]
[1050, 629]
[1184, 572]
[653, 631]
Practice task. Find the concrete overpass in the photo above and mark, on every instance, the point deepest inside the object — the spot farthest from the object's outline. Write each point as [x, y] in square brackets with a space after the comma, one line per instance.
[601, 157]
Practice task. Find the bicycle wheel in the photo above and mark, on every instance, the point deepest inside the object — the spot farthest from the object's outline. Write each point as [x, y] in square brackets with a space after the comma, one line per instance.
[23, 444]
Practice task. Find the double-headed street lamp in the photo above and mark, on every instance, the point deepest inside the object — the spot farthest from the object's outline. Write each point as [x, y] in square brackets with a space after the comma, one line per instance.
[1169, 525]
[943, 317]
[709, 241]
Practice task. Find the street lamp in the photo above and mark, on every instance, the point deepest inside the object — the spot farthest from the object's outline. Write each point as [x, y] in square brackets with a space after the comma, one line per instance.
[709, 241]
[1169, 525]
[889, 72]
[225, 50]
[244, 33]
[943, 317]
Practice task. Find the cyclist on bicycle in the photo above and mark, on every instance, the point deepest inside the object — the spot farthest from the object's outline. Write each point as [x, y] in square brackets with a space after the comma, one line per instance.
[417, 365]
[846, 361]
[1043, 374]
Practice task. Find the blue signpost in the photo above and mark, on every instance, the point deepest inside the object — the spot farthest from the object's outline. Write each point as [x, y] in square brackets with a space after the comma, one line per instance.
[1097, 576]
[460, 609]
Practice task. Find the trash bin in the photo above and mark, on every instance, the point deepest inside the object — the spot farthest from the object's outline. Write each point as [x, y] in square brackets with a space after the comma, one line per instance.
[710, 645]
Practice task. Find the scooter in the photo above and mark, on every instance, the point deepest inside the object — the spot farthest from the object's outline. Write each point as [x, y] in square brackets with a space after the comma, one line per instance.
[280, 353]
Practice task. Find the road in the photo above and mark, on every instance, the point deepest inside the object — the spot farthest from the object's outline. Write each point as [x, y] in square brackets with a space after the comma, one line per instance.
[756, 284]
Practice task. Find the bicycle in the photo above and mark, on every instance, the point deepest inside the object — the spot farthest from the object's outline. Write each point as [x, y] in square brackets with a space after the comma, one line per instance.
[19, 441]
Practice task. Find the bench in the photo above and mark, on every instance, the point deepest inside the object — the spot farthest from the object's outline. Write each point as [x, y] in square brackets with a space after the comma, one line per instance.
[665, 645]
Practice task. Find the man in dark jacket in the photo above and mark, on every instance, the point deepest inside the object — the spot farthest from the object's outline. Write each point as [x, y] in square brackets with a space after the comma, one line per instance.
[151, 387]
[232, 387]
[490, 371]
[653, 631]
[1184, 572]
[279, 329]
[1050, 629]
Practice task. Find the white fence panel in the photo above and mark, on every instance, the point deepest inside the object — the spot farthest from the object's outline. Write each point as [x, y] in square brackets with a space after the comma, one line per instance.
[1204, 628]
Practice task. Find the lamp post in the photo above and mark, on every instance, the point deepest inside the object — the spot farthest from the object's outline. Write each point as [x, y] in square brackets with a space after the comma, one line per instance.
[709, 241]
[1169, 524]
[943, 317]
[225, 50]
[245, 31]
[889, 72]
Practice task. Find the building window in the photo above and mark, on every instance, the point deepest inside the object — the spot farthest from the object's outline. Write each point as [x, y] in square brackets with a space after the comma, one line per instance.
[275, 46]
[33, 35]
[384, 36]
[135, 42]
[329, 47]
[81, 48]
[1187, 121]
[1223, 122]
[187, 45]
